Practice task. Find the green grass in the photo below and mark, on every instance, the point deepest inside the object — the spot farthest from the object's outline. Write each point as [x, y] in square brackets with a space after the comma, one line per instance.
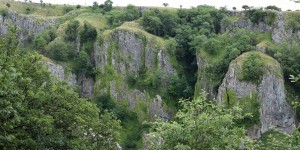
[36, 8]
[273, 134]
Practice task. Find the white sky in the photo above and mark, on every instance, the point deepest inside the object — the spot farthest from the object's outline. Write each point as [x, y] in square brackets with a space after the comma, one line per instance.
[283, 4]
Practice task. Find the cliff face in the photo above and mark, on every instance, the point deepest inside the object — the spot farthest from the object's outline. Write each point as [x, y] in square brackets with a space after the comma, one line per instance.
[274, 110]
[131, 53]
[28, 25]
[279, 32]
[203, 82]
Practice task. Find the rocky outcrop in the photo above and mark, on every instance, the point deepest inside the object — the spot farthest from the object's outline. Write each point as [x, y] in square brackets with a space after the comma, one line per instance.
[59, 73]
[280, 33]
[28, 25]
[274, 110]
[85, 84]
[128, 52]
[203, 82]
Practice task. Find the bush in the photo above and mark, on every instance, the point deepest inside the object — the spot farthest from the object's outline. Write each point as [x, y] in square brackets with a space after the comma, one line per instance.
[42, 39]
[118, 17]
[253, 68]
[71, 30]
[88, 33]
[58, 50]
[67, 9]
[83, 64]
[212, 46]
[4, 13]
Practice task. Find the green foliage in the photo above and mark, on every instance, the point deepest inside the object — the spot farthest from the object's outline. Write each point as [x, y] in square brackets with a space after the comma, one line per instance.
[253, 68]
[131, 132]
[276, 140]
[42, 39]
[117, 17]
[83, 64]
[88, 33]
[199, 125]
[212, 46]
[288, 55]
[4, 13]
[259, 15]
[58, 50]
[245, 7]
[293, 21]
[161, 23]
[38, 112]
[249, 106]
[107, 5]
[235, 44]
[71, 31]
[67, 9]
[273, 7]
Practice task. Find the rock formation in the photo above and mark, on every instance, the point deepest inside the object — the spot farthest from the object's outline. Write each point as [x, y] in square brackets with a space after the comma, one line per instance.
[274, 110]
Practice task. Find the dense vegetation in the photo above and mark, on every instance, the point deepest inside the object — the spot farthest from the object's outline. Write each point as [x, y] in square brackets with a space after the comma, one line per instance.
[38, 112]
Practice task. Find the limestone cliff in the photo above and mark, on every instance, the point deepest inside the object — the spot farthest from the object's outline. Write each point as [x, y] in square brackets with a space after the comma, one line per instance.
[28, 25]
[280, 33]
[129, 52]
[274, 110]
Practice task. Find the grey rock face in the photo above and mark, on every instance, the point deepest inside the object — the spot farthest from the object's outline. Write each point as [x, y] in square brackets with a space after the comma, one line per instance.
[274, 110]
[280, 33]
[203, 82]
[28, 25]
[127, 52]
[58, 72]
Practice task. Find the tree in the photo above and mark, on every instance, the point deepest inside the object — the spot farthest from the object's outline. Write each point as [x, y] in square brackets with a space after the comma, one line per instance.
[39, 112]
[166, 4]
[41, 1]
[8, 5]
[234, 8]
[253, 68]
[58, 50]
[107, 5]
[245, 7]
[273, 7]
[199, 125]
[95, 5]
[78, 6]
[71, 31]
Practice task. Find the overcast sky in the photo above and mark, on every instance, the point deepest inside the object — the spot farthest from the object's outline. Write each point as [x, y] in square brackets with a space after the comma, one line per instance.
[284, 4]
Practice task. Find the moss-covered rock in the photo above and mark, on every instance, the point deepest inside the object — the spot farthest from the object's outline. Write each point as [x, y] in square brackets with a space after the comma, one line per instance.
[273, 109]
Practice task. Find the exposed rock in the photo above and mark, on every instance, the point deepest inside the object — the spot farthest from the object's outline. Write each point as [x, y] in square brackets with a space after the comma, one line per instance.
[58, 72]
[127, 52]
[203, 82]
[280, 33]
[261, 48]
[28, 25]
[86, 85]
[274, 110]
[118, 147]
[156, 109]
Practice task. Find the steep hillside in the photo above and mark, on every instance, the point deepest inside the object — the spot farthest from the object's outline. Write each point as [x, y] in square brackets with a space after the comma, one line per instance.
[138, 62]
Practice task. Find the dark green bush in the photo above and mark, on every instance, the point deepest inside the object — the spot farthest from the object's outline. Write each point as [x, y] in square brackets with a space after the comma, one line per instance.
[212, 45]
[67, 9]
[43, 38]
[88, 33]
[58, 50]
[253, 68]
[71, 31]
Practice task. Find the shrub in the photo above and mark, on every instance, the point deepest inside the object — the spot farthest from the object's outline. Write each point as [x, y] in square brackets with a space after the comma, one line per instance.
[4, 13]
[212, 45]
[67, 9]
[71, 31]
[88, 33]
[58, 50]
[252, 68]
[42, 39]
